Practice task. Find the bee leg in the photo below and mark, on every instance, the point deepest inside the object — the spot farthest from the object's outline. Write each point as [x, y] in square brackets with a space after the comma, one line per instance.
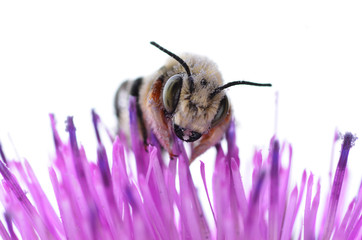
[210, 139]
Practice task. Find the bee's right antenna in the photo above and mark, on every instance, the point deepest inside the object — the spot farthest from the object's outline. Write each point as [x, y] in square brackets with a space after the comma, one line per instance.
[177, 58]
[230, 84]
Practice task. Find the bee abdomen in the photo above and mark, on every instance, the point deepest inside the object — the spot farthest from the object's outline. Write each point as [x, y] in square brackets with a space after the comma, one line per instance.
[121, 98]
[136, 85]
[121, 103]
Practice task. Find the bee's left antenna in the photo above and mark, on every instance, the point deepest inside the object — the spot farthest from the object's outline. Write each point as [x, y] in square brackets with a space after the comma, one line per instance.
[177, 58]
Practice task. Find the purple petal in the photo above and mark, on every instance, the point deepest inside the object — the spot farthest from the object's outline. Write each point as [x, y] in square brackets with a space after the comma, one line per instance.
[239, 189]
[233, 150]
[9, 223]
[356, 211]
[252, 223]
[191, 214]
[348, 141]
[101, 154]
[96, 202]
[274, 228]
[357, 229]
[137, 144]
[2, 155]
[340, 233]
[3, 233]
[202, 171]
[310, 212]
[288, 220]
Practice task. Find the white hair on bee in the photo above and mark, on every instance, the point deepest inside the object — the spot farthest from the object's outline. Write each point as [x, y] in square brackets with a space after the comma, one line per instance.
[184, 98]
[199, 66]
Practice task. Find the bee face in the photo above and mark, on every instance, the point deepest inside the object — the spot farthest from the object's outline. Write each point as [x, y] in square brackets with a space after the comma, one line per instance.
[187, 99]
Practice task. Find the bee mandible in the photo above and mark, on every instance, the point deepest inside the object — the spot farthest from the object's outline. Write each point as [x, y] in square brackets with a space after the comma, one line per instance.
[185, 97]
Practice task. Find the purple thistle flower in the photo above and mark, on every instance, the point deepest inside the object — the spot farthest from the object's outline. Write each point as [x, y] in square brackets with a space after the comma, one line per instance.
[110, 200]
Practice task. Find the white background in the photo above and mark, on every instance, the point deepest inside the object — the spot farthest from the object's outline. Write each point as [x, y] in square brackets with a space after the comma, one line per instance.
[68, 57]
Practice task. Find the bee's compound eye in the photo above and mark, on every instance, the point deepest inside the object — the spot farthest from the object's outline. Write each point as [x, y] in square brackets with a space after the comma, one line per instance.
[171, 93]
[221, 112]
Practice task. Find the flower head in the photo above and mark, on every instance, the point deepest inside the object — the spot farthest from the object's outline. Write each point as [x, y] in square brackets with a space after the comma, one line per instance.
[107, 200]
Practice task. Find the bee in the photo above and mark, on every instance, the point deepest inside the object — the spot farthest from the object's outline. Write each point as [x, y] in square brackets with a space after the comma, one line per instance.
[185, 98]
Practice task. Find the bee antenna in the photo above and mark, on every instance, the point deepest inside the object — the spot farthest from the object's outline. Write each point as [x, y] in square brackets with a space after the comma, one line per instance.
[230, 84]
[177, 58]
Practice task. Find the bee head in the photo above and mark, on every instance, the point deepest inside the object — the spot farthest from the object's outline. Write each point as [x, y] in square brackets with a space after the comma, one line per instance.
[186, 100]
[195, 100]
